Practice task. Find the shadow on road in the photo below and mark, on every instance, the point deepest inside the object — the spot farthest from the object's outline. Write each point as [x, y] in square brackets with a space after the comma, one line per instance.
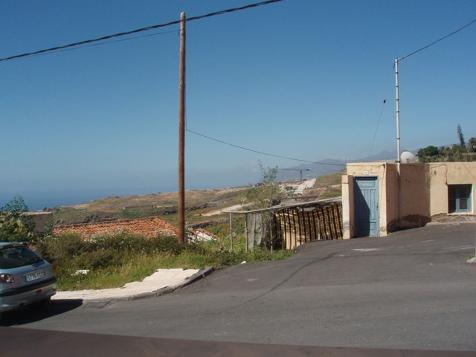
[87, 344]
[33, 313]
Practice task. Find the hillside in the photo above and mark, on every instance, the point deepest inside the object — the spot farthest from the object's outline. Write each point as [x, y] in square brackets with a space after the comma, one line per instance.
[202, 206]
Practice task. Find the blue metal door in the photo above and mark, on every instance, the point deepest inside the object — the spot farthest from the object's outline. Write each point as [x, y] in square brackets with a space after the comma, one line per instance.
[366, 206]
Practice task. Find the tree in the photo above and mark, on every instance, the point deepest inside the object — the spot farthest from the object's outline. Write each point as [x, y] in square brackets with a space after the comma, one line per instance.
[264, 195]
[14, 226]
[267, 193]
[459, 131]
[471, 146]
[428, 153]
[17, 204]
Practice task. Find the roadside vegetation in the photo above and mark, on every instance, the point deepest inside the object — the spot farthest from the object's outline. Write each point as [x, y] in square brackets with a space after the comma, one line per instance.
[113, 260]
[108, 261]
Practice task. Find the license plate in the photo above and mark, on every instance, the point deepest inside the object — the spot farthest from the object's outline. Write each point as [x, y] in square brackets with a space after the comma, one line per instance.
[35, 275]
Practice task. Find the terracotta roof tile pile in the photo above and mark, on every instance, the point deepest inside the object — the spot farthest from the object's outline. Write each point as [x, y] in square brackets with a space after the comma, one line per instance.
[149, 227]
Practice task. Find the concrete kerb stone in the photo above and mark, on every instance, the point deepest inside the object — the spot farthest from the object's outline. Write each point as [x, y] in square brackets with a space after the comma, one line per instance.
[471, 260]
[157, 292]
[169, 289]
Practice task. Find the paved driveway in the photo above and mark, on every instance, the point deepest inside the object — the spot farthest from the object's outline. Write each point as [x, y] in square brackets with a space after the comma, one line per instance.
[410, 290]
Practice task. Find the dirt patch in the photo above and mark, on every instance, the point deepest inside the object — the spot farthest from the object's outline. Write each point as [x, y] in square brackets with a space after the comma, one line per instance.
[453, 218]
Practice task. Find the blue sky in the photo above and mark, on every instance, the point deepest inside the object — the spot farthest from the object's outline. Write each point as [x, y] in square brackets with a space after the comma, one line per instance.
[300, 78]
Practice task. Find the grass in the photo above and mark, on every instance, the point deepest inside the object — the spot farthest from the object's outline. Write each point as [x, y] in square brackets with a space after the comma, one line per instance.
[331, 193]
[115, 260]
[141, 266]
[328, 180]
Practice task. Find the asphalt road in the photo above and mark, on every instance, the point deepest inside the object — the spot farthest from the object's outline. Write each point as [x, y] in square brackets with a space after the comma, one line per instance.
[29, 342]
[412, 290]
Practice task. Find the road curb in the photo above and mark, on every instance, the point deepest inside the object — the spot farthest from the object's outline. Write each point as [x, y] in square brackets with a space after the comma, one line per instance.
[162, 291]
[169, 289]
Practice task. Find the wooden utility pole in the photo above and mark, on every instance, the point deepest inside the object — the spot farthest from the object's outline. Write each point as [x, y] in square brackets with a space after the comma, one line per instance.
[181, 148]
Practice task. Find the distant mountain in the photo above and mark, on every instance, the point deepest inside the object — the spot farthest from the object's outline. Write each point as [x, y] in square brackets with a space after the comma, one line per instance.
[383, 155]
[327, 166]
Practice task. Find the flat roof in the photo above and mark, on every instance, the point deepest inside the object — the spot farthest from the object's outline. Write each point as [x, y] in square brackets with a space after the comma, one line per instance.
[278, 207]
[369, 163]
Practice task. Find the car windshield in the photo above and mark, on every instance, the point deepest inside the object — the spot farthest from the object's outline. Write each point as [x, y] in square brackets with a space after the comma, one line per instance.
[14, 257]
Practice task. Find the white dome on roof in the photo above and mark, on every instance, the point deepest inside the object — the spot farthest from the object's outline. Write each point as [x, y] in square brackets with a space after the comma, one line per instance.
[406, 157]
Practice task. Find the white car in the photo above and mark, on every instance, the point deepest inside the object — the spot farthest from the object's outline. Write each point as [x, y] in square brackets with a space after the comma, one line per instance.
[25, 277]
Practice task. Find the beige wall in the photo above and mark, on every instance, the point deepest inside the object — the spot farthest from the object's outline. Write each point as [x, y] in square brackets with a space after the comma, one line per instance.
[347, 206]
[411, 203]
[438, 189]
[391, 199]
[414, 196]
[442, 174]
[374, 169]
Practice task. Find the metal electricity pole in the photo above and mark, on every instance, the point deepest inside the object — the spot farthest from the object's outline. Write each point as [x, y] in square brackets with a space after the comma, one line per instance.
[397, 122]
[300, 173]
[181, 148]
[298, 170]
[397, 105]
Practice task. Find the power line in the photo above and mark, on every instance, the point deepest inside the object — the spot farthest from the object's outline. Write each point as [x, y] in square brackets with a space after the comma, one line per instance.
[134, 31]
[438, 40]
[377, 126]
[111, 42]
[259, 151]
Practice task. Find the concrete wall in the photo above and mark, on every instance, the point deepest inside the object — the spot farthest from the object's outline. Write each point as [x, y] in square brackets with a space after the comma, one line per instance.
[414, 196]
[423, 192]
[391, 199]
[373, 169]
[442, 174]
[347, 206]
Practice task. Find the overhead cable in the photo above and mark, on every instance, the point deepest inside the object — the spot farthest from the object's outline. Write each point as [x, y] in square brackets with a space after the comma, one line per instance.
[241, 147]
[438, 40]
[377, 126]
[134, 31]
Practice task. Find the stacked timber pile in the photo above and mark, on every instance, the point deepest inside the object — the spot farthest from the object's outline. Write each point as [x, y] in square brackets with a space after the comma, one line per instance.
[297, 225]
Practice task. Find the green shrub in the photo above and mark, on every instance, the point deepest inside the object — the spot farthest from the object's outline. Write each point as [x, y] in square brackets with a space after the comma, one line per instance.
[202, 248]
[113, 260]
[72, 251]
[121, 242]
[64, 246]
[225, 258]
[168, 245]
[14, 227]
[98, 259]
[136, 244]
